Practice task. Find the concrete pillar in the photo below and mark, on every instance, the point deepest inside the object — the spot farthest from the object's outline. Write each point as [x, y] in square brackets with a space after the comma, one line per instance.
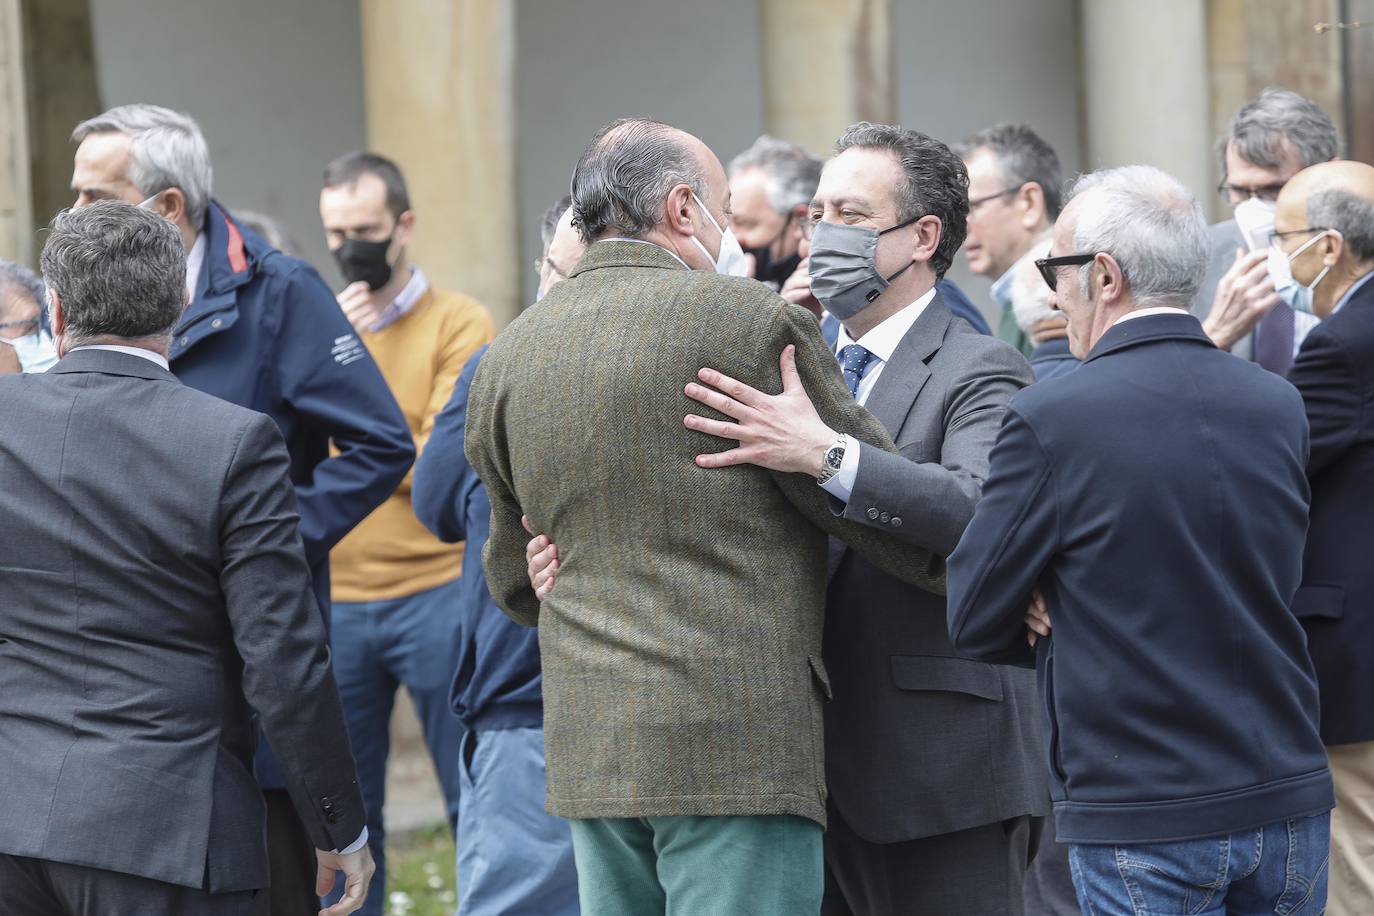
[439, 91]
[826, 64]
[1145, 95]
[16, 219]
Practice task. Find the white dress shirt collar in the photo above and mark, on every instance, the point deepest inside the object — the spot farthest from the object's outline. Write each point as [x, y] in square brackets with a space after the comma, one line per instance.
[1145, 313]
[149, 355]
[405, 300]
[882, 341]
[195, 260]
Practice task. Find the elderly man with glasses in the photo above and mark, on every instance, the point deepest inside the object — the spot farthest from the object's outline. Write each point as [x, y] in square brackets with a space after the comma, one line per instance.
[27, 344]
[1270, 139]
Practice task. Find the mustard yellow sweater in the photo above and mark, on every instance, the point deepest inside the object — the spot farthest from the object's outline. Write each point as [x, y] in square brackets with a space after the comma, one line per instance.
[390, 554]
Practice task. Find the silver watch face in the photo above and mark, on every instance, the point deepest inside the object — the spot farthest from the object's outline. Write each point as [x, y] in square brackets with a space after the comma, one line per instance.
[835, 457]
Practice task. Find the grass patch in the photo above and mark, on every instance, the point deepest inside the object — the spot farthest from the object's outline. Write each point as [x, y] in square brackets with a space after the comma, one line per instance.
[420, 877]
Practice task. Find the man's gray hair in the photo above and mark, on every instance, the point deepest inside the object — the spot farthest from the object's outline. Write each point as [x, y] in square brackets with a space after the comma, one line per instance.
[1023, 156]
[1149, 222]
[1351, 215]
[548, 223]
[1264, 126]
[625, 174]
[167, 150]
[119, 270]
[16, 276]
[936, 181]
[792, 172]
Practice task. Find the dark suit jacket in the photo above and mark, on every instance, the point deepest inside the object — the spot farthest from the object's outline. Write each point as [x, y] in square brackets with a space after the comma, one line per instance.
[1157, 497]
[920, 741]
[682, 646]
[1334, 373]
[153, 586]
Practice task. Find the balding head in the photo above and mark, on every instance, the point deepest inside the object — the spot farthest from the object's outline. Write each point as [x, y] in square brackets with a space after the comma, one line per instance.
[642, 179]
[1324, 222]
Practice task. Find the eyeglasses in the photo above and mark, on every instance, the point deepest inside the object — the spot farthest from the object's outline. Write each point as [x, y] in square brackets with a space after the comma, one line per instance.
[538, 266]
[21, 323]
[1276, 238]
[1049, 267]
[979, 201]
[1236, 193]
[808, 226]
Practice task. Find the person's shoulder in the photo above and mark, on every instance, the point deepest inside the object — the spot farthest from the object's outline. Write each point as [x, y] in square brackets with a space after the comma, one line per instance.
[968, 351]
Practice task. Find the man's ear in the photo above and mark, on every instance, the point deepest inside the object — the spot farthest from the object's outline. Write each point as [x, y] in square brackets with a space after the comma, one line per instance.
[405, 228]
[1335, 247]
[928, 232]
[1108, 276]
[171, 203]
[677, 210]
[1031, 197]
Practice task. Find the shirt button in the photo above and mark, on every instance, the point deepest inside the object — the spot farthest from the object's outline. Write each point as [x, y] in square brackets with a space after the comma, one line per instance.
[185, 341]
[884, 518]
[872, 515]
[896, 521]
[217, 323]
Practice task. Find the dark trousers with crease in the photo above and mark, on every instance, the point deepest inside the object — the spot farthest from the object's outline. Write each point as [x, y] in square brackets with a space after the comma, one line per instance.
[974, 872]
[38, 887]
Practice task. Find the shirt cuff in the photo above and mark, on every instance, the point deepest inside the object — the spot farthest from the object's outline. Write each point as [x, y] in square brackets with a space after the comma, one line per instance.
[359, 844]
[841, 486]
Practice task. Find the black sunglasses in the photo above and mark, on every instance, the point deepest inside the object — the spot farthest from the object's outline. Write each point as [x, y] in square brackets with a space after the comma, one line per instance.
[1049, 267]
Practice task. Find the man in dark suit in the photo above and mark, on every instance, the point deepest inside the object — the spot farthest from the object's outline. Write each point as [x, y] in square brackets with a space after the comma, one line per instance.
[1325, 228]
[931, 759]
[1180, 704]
[157, 594]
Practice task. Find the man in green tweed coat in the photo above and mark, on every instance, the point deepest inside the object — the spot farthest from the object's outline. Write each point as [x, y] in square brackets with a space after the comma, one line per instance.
[682, 648]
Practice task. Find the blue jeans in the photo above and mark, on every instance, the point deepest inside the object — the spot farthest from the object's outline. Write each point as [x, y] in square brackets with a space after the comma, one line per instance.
[515, 859]
[377, 646]
[1276, 870]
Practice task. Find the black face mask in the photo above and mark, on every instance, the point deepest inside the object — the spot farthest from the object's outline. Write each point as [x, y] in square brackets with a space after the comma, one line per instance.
[769, 270]
[363, 260]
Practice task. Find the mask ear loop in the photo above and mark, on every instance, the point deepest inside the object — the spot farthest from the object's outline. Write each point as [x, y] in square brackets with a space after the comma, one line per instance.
[875, 293]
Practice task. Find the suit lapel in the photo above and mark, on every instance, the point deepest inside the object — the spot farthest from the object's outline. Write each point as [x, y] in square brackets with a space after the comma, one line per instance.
[896, 390]
[906, 373]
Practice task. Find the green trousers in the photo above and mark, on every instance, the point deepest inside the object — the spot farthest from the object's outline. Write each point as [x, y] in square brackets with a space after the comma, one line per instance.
[699, 866]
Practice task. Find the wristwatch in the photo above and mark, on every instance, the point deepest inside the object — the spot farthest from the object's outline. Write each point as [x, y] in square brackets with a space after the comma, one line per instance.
[830, 464]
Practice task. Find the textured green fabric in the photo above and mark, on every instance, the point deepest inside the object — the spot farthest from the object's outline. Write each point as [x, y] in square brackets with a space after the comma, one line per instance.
[1009, 331]
[699, 866]
[682, 645]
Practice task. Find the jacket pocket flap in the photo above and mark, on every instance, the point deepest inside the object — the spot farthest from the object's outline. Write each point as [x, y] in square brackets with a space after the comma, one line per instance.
[1320, 601]
[953, 675]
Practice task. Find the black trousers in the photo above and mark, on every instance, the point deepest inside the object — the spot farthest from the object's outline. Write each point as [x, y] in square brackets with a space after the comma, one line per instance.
[975, 872]
[291, 858]
[37, 887]
[1049, 886]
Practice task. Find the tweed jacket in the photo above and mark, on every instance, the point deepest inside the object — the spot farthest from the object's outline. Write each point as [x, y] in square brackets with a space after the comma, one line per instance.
[682, 646]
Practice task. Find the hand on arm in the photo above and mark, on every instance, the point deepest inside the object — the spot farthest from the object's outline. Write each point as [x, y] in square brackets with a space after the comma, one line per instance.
[797, 289]
[358, 308]
[541, 555]
[1245, 294]
[1037, 617]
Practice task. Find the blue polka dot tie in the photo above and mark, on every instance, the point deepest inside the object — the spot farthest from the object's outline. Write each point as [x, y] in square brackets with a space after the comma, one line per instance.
[853, 361]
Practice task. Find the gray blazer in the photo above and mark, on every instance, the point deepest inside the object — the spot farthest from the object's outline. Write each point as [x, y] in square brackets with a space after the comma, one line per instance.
[1223, 239]
[682, 646]
[153, 587]
[919, 741]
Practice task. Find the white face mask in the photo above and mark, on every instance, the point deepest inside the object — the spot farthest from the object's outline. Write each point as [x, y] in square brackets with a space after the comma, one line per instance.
[36, 351]
[1255, 219]
[1298, 297]
[731, 260]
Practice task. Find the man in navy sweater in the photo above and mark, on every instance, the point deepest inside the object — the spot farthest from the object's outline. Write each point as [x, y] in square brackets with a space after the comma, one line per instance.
[512, 856]
[1155, 503]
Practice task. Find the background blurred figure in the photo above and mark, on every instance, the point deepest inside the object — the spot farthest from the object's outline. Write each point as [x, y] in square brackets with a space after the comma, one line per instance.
[271, 230]
[1040, 321]
[771, 184]
[563, 247]
[1157, 651]
[396, 586]
[263, 331]
[514, 857]
[1014, 194]
[25, 343]
[1323, 260]
[1268, 141]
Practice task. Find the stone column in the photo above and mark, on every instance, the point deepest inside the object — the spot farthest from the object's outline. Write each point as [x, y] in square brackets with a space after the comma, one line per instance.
[1145, 88]
[439, 90]
[808, 99]
[16, 219]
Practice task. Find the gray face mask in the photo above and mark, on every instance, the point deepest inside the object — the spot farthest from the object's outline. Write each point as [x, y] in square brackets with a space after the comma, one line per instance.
[843, 275]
